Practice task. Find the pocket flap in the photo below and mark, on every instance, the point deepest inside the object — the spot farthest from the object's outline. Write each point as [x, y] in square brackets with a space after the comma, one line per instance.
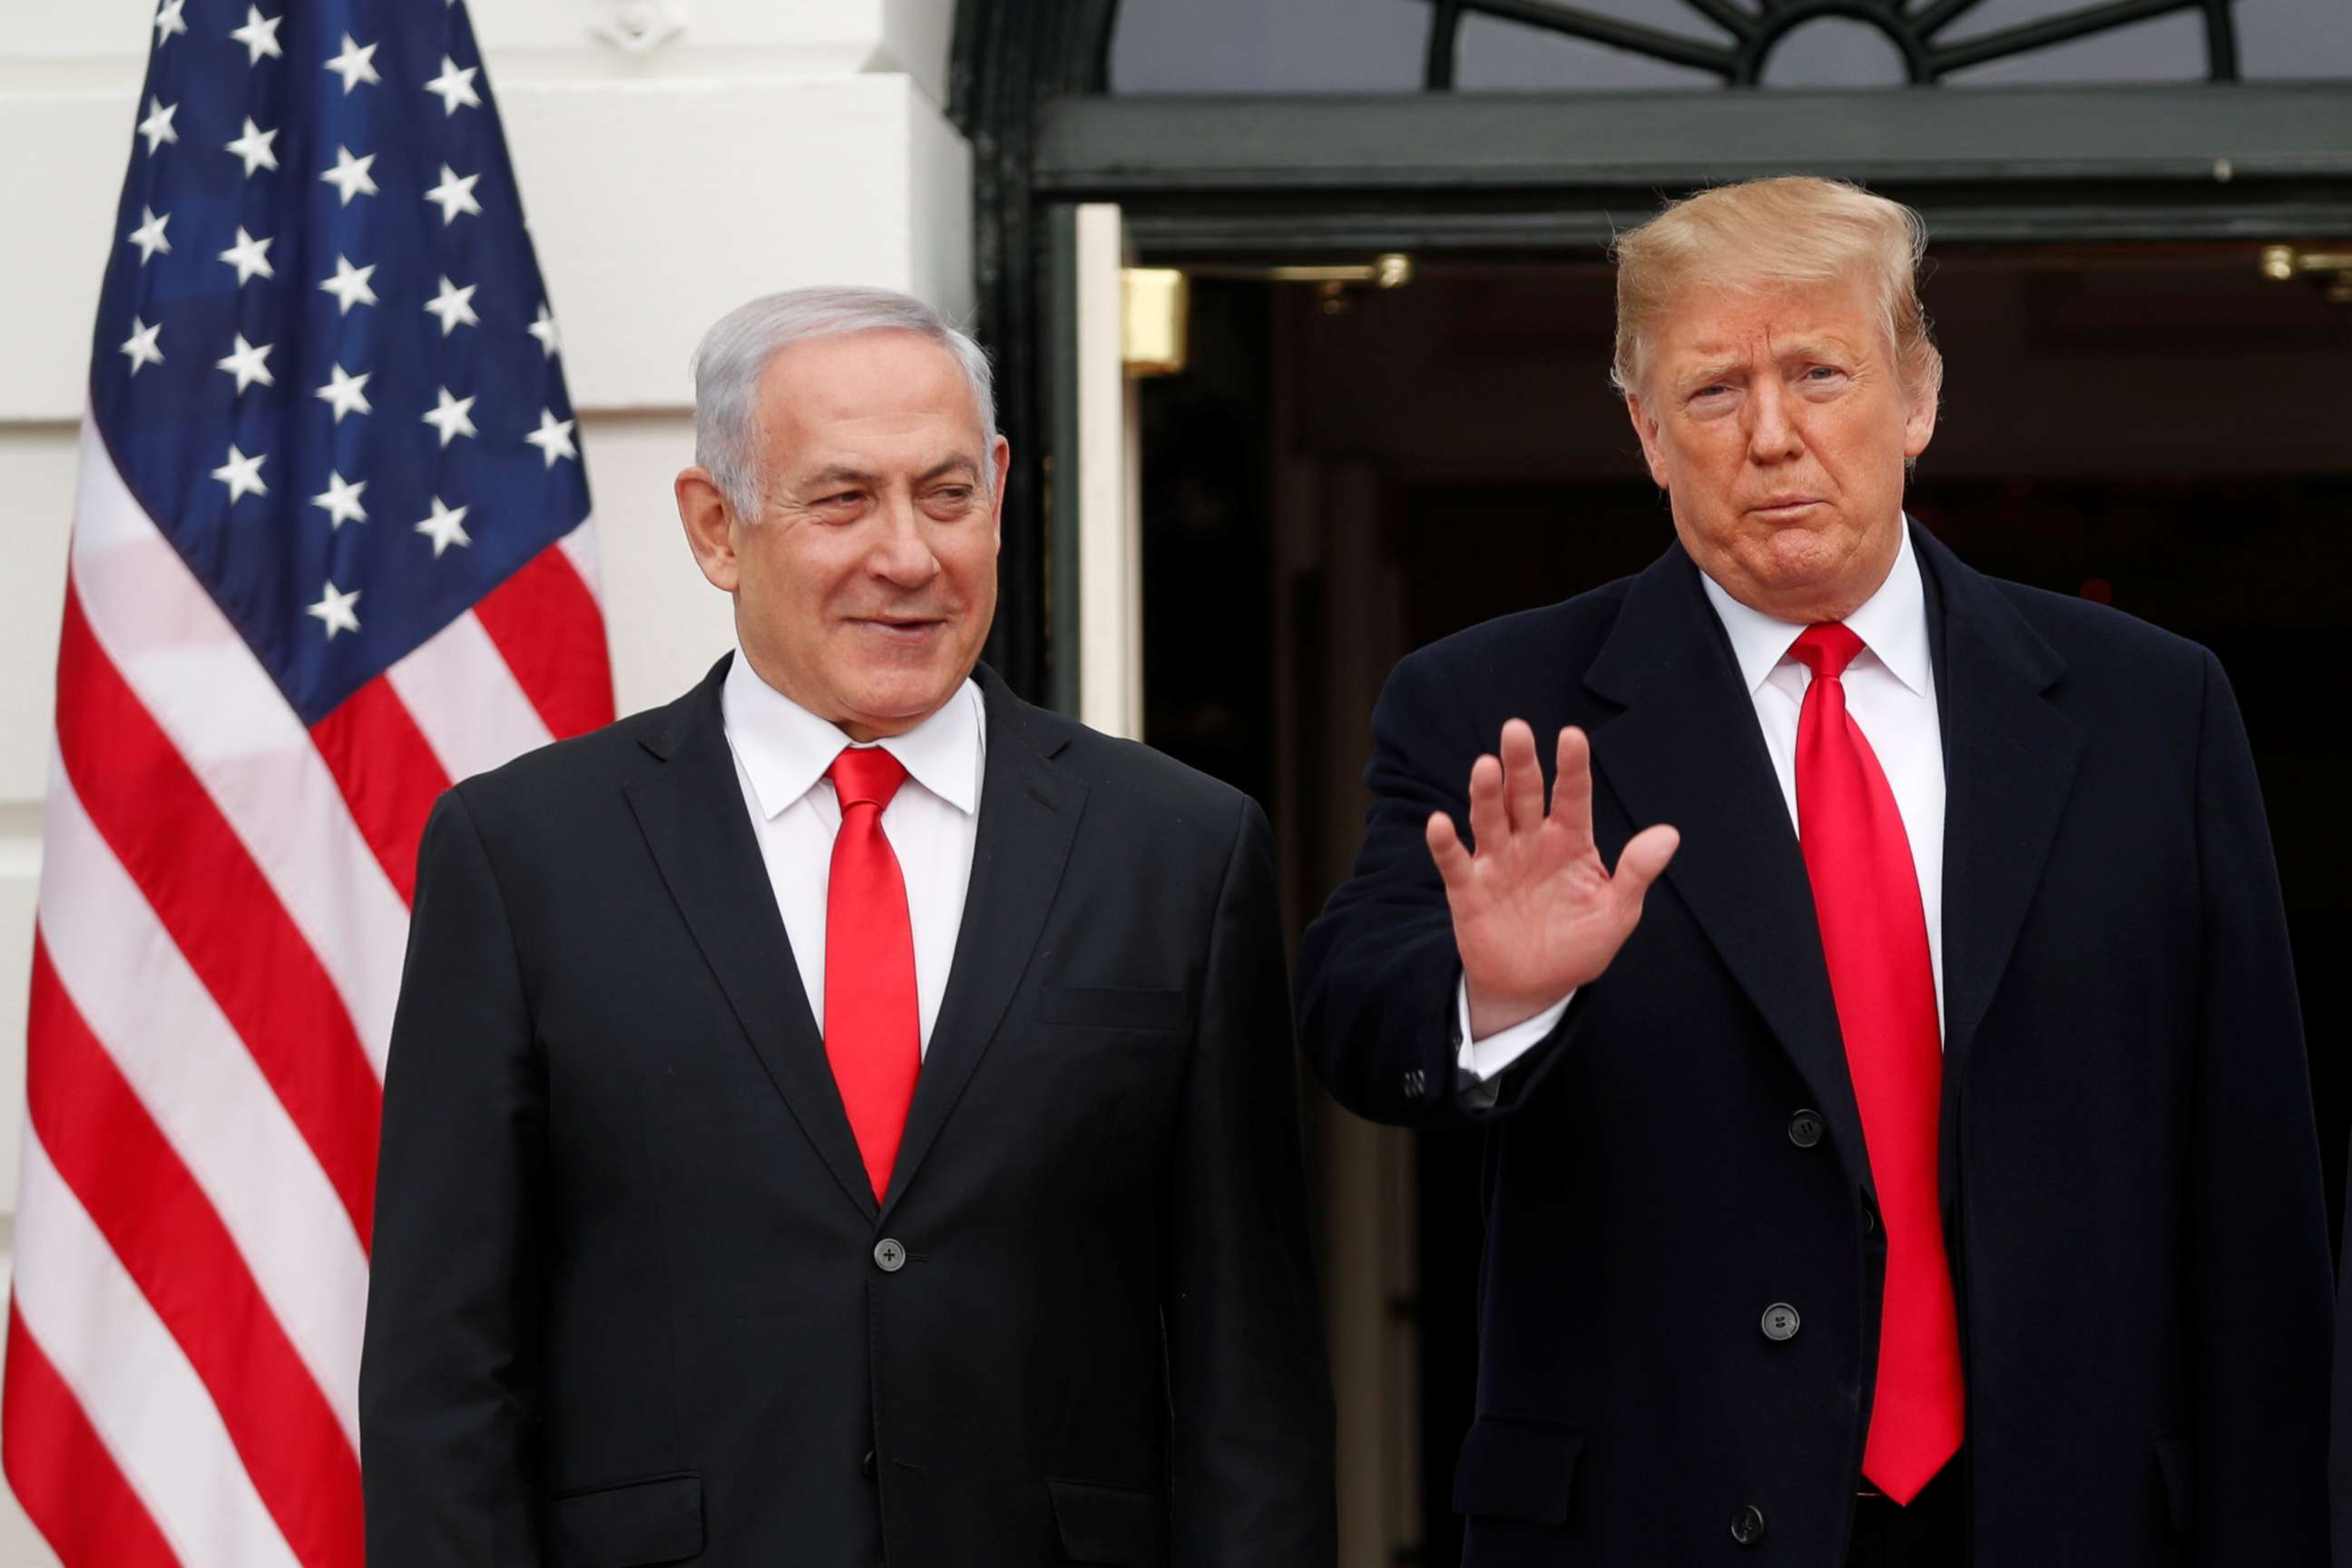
[635, 1523]
[2180, 1482]
[1104, 1007]
[1516, 1467]
[1121, 1527]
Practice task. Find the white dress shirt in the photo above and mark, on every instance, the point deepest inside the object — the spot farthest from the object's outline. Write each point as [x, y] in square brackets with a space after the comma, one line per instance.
[1890, 695]
[781, 752]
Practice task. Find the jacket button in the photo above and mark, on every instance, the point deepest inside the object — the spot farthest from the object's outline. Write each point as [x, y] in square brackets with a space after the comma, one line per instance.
[1869, 1219]
[1415, 1083]
[889, 1255]
[1780, 1321]
[1748, 1525]
[1805, 1128]
[866, 1467]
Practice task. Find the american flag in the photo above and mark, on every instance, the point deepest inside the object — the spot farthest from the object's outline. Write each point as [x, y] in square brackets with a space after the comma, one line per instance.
[331, 552]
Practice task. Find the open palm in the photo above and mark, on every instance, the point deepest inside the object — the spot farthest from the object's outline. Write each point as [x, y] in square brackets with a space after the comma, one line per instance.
[1536, 913]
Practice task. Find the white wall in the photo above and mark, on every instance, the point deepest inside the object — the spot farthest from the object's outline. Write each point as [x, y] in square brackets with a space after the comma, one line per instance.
[757, 145]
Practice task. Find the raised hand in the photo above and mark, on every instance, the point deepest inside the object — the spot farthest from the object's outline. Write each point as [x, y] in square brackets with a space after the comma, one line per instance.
[1536, 914]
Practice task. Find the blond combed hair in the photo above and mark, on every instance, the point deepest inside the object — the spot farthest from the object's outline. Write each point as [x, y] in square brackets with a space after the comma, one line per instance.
[1789, 231]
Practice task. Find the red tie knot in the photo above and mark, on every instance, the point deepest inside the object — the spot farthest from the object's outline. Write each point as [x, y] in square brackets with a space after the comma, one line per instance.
[865, 776]
[1826, 650]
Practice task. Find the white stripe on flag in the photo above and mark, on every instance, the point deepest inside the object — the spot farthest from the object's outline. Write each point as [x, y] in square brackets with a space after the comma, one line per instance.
[579, 547]
[225, 715]
[465, 701]
[216, 1109]
[131, 1381]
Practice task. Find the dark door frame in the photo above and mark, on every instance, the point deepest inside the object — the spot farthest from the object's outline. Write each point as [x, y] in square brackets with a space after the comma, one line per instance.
[1206, 178]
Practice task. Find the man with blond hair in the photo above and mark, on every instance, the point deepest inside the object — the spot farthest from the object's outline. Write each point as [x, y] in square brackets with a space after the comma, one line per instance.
[848, 1116]
[1900, 1146]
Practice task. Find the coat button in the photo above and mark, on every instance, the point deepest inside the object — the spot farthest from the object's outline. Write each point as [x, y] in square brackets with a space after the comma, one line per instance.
[1869, 1219]
[1416, 1083]
[1805, 1128]
[889, 1255]
[1780, 1321]
[866, 1467]
[1748, 1525]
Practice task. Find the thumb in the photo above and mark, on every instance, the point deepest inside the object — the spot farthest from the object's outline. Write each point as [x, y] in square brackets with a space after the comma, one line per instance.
[1645, 856]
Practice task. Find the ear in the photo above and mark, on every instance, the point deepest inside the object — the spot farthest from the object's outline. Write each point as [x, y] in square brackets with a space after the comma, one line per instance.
[1646, 428]
[1000, 461]
[1919, 419]
[710, 527]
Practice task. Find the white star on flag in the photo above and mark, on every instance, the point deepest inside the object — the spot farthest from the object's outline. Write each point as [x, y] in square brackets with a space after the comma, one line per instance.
[543, 328]
[444, 528]
[454, 306]
[254, 147]
[168, 19]
[258, 34]
[355, 64]
[246, 363]
[350, 284]
[341, 500]
[346, 392]
[553, 438]
[456, 86]
[242, 474]
[149, 235]
[248, 256]
[451, 417]
[455, 194]
[350, 176]
[157, 126]
[141, 344]
[334, 611]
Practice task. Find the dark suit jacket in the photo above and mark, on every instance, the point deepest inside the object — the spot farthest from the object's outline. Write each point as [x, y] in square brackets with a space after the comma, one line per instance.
[633, 1300]
[2131, 1184]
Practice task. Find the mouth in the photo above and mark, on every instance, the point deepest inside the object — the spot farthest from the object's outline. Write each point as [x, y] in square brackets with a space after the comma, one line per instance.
[1784, 508]
[900, 630]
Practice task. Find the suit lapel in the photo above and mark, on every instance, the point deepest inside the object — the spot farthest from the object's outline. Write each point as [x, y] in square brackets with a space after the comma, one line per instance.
[2009, 763]
[1029, 813]
[1687, 750]
[695, 822]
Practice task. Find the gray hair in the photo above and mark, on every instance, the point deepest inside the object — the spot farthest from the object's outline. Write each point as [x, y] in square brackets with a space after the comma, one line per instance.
[735, 352]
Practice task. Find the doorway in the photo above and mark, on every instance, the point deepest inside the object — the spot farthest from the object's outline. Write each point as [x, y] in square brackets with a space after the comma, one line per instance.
[1341, 476]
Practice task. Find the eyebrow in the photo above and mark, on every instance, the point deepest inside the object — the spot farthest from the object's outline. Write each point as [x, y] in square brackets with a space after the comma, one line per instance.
[846, 474]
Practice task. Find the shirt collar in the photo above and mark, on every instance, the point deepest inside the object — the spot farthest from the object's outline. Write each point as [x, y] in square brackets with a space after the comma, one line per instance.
[786, 749]
[1892, 623]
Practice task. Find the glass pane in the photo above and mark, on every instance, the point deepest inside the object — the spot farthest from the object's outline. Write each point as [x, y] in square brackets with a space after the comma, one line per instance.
[1378, 45]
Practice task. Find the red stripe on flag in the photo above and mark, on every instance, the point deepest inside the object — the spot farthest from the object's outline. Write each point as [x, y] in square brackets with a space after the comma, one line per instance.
[60, 1470]
[221, 914]
[387, 771]
[169, 1239]
[546, 625]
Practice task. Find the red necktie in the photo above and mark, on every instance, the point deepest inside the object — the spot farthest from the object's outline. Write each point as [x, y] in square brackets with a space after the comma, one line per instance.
[873, 1032]
[1874, 937]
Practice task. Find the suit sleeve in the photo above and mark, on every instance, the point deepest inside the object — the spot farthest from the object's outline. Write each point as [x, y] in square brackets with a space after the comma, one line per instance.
[1251, 1450]
[1378, 970]
[2260, 1294]
[448, 1395]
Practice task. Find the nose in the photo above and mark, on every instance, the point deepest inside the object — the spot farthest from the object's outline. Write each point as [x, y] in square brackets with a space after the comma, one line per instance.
[902, 555]
[1772, 434]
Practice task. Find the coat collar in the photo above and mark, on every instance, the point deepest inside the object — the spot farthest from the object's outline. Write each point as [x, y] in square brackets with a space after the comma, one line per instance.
[1685, 750]
[691, 812]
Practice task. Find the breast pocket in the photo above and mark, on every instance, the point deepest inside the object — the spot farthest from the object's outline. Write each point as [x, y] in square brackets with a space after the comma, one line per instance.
[1113, 1008]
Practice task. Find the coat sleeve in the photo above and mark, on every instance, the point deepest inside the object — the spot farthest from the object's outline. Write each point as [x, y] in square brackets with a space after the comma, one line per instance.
[448, 1392]
[1251, 1449]
[1378, 970]
[2260, 1295]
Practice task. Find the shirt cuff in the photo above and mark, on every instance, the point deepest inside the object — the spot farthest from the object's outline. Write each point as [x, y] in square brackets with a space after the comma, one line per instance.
[1484, 1060]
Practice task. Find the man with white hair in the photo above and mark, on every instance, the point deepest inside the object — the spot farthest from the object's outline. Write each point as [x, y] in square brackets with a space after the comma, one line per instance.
[848, 1116]
[1905, 1155]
